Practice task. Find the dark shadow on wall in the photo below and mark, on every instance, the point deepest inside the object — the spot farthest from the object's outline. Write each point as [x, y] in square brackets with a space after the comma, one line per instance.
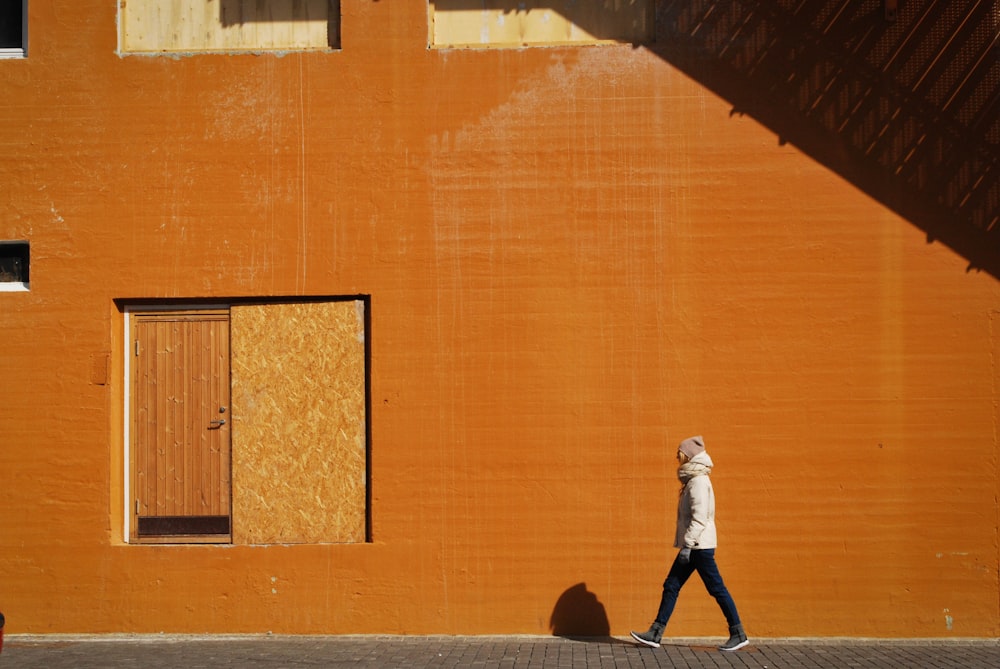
[579, 614]
[902, 99]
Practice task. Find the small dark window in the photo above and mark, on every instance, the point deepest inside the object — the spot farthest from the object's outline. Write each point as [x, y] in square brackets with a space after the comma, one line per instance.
[12, 28]
[14, 259]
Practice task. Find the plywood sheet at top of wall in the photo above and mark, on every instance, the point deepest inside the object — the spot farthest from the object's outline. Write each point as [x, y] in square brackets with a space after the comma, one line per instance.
[298, 379]
[216, 25]
[499, 23]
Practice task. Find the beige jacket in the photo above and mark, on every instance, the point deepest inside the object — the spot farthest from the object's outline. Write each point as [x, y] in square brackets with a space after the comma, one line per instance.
[696, 509]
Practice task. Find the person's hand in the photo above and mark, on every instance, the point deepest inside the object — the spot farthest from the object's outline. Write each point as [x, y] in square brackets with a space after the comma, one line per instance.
[684, 556]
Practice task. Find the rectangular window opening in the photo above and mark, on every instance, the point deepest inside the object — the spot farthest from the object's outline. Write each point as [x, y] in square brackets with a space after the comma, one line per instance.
[13, 29]
[196, 26]
[14, 266]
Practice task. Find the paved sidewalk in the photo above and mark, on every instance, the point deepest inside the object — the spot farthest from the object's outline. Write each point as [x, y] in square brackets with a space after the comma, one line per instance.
[501, 652]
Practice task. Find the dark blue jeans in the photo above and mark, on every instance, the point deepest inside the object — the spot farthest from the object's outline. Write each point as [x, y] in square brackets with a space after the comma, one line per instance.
[702, 561]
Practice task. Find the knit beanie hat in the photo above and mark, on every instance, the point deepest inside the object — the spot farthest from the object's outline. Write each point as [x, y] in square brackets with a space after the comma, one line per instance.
[692, 446]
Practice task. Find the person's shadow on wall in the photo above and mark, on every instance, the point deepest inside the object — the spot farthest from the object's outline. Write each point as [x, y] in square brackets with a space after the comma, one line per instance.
[579, 614]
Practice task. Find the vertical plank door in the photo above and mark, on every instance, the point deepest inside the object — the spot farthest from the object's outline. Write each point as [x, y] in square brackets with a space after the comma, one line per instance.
[180, 454]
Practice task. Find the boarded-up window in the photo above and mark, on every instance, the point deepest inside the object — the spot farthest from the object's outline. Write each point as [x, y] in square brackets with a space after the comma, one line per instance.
[151, 26]
[299, 429]
[248, 424]
[507, 23]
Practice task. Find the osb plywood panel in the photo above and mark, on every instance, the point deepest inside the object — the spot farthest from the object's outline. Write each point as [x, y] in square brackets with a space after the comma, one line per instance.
[298, 377]
[196, 25]
[486, 23]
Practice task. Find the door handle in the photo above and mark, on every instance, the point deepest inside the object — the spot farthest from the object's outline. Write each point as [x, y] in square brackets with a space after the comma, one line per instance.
[217, 423]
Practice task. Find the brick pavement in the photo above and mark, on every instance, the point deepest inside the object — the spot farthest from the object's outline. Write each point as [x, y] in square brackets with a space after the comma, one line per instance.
[485, 652]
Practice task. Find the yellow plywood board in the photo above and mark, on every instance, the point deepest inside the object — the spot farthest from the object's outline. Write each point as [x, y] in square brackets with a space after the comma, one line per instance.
[299, 444]
[222, 25]
[499, 23]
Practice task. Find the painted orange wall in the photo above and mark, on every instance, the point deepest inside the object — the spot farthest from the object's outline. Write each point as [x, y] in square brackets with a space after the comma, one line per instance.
[576, 257]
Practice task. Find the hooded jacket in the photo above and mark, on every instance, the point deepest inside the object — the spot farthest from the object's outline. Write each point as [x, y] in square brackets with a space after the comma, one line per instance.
[696, 506]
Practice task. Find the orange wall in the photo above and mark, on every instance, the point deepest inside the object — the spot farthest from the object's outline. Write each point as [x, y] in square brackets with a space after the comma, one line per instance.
[576, 257]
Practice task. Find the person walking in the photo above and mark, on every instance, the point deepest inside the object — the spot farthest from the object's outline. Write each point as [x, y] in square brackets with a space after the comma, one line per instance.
[696, 538]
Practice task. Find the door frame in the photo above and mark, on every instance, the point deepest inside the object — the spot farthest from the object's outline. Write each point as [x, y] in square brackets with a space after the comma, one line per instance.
[127, 500]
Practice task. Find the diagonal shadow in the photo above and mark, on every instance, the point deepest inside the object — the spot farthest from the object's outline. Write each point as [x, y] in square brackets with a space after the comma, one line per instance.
[899, 97]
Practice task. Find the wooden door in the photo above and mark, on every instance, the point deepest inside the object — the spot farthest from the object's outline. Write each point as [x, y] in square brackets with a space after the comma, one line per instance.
[180, 419]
